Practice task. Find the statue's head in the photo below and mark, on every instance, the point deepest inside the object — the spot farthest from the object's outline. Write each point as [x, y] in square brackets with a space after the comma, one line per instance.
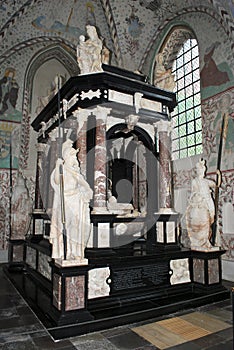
[10, 72]
[67, 150]
[82, 38]
[91, 31]
[201, 167]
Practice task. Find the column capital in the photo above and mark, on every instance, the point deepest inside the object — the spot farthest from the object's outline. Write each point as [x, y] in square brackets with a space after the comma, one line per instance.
[81, 115]
[164, 126]
[41, 147]
[101, 112]
[53, 134]
[132, 120]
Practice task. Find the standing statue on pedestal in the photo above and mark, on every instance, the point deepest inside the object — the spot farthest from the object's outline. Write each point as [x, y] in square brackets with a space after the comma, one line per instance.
[76, 196]
[200, 212]
[91, 53]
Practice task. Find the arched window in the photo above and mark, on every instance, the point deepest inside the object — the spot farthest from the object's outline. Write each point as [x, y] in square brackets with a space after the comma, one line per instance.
[187, 132]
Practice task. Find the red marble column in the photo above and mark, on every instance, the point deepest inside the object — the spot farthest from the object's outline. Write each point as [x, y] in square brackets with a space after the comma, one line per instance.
[165, 172]
[82, 116]
[100, 191]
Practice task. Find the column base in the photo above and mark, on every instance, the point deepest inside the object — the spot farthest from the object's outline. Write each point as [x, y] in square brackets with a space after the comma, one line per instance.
[67, 263]
[100, 210]
[167, 211]
[205, 250]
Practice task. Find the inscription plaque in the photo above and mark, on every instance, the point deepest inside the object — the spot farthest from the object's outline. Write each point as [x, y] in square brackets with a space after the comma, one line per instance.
[141, 276]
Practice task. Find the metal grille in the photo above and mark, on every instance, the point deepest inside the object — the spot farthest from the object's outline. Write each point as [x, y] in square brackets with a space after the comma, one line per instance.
[187, 132]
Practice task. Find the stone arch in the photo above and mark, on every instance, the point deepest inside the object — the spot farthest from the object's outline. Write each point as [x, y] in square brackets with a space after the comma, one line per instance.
[142, 173]
[67, 59]
[172, 43]
[219, 15]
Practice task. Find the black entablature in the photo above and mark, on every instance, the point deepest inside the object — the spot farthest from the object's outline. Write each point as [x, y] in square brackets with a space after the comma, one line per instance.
[106, 80]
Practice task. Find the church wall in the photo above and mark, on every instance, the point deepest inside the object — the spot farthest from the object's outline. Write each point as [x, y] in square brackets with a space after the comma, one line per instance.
[217, 98]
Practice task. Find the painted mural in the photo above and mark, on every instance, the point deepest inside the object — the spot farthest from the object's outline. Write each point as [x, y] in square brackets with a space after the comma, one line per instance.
[51, 23]
[214, 77]
[9, 89]
[211, 75]
[6, 177]
[9, 141]
[213, 112]
[133, 31]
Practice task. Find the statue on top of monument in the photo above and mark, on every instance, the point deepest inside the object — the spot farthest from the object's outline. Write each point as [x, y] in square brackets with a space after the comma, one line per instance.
[91, 53]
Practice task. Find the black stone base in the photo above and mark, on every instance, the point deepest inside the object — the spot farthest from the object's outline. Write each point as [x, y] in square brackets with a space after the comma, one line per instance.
[131, 299]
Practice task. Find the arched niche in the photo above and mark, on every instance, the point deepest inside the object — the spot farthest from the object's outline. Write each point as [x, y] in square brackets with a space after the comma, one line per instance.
[44, 83]
[39, 81]
[132, 168]
[44, 66]
[170, 45]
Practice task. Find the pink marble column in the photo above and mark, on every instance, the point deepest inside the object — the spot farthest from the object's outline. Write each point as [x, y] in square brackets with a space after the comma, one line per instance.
[82, 116]
[165, 176]
[100, 191]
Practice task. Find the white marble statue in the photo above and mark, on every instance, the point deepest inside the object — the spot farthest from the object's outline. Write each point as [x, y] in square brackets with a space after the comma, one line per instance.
[200, 212]
[91, 53]
[77, 195]
[163, 78]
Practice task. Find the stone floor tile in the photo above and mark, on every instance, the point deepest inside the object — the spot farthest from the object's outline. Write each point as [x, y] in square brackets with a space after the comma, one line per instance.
[186, 346]
[114, 331]
[226, 334]
[222, 346]
[103, 344]
[209, 340]
[47, 343]
[148, 347]
[22, 343]
[128, 341]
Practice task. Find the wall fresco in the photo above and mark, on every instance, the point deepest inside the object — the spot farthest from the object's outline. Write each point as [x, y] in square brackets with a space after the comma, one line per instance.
[213, 110]
[9, 141]
[9, 89]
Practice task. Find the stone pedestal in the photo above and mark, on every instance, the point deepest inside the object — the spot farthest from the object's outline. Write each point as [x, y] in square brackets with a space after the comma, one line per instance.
[207, 268]
[70, 293]
[167, 231]
[16, 253]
